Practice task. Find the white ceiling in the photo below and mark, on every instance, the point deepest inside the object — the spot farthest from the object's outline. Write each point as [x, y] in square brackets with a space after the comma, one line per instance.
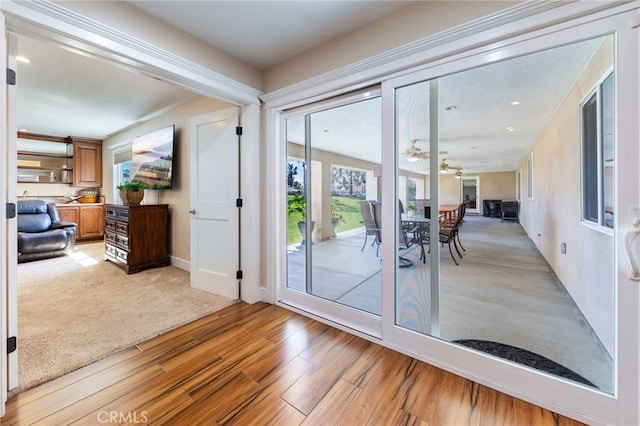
[484, 132]
[62, 93]
[264, 33]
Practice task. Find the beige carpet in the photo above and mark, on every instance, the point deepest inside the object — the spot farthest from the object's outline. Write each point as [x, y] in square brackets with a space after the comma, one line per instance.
[77, 309]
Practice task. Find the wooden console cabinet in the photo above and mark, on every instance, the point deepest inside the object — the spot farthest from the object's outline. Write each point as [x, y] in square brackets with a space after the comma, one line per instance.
[136, 237]
[89, 219]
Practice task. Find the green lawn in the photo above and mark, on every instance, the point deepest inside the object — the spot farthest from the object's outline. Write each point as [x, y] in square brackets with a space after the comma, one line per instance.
[347, 207]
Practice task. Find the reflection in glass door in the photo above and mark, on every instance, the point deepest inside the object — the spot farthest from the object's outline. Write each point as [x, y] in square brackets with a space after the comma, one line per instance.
[333, 158]
[538, 286]
[471, 193]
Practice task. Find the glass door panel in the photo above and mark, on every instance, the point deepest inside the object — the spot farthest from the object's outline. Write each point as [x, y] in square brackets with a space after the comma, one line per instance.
[531, 281]
[334, 155]
[470, 192]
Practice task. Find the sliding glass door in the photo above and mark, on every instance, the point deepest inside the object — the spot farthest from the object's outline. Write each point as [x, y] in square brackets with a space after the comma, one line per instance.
[533, 284]
[492, 193]
[333, 242]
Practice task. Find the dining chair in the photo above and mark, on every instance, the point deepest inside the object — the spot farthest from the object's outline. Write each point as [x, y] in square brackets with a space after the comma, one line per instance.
[449, 234]
[371, 229]
[404, 242]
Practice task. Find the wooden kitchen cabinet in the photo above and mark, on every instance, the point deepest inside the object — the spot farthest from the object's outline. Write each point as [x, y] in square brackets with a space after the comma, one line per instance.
[87, 162]
[88, 218]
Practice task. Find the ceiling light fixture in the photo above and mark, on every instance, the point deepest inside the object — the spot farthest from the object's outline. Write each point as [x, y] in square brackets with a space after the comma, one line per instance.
[515, 103]
[23, 59]
[412, 159]
[510, 129]
[451, 107]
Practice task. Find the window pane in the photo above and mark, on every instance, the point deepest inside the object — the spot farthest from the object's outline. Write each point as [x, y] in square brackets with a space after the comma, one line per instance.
[590, 159]
[608, 153]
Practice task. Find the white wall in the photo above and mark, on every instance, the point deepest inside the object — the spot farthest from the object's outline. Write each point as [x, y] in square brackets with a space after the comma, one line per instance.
[179, 196]
[553, 216]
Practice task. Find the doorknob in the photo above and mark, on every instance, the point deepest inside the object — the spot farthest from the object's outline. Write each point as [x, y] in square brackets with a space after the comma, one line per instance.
[192, 211]
[629, 239]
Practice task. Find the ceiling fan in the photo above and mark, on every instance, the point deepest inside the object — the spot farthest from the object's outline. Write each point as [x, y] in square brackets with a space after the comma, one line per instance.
[444, 167]
[415, 153]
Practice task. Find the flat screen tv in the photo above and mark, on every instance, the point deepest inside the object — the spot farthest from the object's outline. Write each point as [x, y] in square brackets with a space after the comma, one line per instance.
[152, 158]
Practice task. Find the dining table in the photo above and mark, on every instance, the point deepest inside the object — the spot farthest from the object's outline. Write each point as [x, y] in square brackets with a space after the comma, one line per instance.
[448, 211]
[420, 225]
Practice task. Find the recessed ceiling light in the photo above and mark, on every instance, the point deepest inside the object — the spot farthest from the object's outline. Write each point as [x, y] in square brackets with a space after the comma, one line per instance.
[515, 103]
[451, 107]
[23, 59]
[510, 129]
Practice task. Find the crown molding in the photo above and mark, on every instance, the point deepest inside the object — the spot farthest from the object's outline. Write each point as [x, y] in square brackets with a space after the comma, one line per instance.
[44, 19]
[517, 20]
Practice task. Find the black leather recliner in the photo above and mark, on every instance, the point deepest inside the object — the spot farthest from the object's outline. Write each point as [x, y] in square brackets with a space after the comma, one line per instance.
[41, 234]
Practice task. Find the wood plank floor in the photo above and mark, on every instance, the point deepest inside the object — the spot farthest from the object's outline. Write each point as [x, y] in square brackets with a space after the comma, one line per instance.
[264, 365]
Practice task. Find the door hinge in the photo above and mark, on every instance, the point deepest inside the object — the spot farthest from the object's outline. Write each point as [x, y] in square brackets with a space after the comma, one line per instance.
[239, 131]
[239, 202]
[238, 275]
[12, 344]
[11, 210]
[11, 77]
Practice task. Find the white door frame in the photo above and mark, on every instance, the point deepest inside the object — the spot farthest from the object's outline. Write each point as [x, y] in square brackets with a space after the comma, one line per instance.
[477, 179]
[52, 23]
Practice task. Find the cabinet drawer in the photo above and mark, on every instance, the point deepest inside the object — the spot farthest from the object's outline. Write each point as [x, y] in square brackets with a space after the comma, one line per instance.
[122, 241]
[109, 225]
[123, 215]
[121, 255]
[110, 250]
[122, 227]
[110, 212]
[110, 237]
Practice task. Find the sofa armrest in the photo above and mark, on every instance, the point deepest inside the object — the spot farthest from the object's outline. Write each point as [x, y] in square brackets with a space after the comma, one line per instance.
[62, 225]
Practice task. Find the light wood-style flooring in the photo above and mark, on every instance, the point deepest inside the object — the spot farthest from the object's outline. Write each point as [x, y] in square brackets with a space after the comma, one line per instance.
[264, 365]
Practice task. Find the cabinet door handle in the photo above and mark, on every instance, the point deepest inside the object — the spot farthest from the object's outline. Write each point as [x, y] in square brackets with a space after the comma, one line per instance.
[629, 238]
[192, 211]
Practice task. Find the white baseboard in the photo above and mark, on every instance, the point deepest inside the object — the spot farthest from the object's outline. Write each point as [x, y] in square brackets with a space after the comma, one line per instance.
[185, 265]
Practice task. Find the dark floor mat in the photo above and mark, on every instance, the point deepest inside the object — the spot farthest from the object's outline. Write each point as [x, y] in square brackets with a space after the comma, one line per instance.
[523, 356]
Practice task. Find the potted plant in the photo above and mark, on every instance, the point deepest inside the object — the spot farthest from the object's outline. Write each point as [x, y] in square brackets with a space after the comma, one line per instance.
[297, 203]
[411, 209]
[131, 193]
[336, 217]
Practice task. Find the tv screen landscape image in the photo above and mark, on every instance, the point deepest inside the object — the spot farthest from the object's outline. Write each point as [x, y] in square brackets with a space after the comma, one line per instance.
[152, 158]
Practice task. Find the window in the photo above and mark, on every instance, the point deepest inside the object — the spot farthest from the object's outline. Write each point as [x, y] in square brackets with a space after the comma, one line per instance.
[121, 167]
[597, 122]
[530, 176]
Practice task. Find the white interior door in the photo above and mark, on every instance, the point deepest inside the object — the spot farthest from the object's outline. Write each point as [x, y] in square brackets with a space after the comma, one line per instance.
[214, 191]
[8, 262]
[471, 193]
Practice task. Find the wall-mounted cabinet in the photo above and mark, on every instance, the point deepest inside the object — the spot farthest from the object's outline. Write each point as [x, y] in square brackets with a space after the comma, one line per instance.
[49, 159]
[87, 162]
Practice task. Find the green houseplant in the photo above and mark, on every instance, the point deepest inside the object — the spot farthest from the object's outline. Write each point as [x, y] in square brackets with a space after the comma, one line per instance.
[297, 204]
[131, 193]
